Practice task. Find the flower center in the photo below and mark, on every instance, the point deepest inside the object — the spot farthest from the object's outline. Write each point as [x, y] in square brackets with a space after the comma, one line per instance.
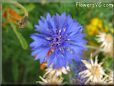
[57, 40]
[95, 71]
[109, 38]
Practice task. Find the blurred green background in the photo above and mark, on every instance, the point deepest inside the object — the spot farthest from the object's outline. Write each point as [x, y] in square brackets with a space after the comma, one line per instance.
[18, 64]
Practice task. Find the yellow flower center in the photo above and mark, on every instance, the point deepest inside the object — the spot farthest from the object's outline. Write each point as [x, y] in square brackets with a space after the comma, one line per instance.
[95, 70]
[109, 38]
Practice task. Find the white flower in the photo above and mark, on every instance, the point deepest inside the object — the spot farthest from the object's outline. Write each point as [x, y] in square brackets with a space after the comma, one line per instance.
[53, 76]
[54, 80]
[57, 72]
[94, 72]
[107, 42]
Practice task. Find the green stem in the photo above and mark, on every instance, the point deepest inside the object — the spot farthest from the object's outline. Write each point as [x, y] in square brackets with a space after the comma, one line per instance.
[97, 49]
[20, 37]
[93, 47]
[20, 6]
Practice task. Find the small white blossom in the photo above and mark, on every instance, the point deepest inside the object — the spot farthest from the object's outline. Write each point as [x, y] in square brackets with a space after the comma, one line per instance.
[57, 72]
[54, 80]
[107, 42]
[53, 76]
[94, 72]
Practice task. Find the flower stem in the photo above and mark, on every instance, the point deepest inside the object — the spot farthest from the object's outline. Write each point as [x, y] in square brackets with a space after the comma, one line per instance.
[98, 49]
[20, 6]
[19, 36]
[93, 47]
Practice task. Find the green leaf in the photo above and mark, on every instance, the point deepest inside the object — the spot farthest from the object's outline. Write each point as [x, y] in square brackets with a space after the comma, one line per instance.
[30, 7]
[20, 37]
[29, 25]
[15, 71]
[108, 63]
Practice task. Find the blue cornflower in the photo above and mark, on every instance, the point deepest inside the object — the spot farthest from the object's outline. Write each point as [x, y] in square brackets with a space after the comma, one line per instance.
[59, 40]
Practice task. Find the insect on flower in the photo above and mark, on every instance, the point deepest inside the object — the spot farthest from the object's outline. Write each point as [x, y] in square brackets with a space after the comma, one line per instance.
[59, 41]
[43, 65]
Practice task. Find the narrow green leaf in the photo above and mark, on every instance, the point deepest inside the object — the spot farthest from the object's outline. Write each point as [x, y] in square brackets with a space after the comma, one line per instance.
[20, 37]
[29, 25]
[30, 7]
[15, 71]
